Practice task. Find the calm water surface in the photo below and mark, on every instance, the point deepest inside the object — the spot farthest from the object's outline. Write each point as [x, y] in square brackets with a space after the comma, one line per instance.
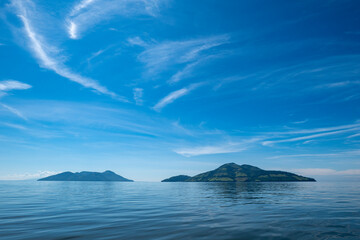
[116, 210]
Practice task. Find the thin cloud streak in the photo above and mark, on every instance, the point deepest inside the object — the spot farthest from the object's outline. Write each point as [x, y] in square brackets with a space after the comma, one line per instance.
[72, 27]
[354, 135]
[159, 57]
[325, 72]
[320, 155]
[83, 4]
[9, 85]
[318, 130]
[39, 49]
[138, 95]
[14, 111]
[207, 150]
[186, 71]
[219, 148]
[171, 97]
[305, 155]
[12, 125]
[339, 84]
[88, 13]
[266, 143]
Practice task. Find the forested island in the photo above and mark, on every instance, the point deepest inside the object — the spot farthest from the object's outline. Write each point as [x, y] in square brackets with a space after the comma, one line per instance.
[232, 172]
[87, 176]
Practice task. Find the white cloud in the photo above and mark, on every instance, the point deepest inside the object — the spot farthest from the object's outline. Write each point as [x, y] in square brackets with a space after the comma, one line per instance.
[171, 97]
[231, 79]
[185, 72]
[88, 13]
[13, 110]
[138, 94]
[137, 41]
[320, 132]
[312, 155]
[43, 52]
[9, 85]
[98, 53]
[207, 150]
[301, 122]
[16, 126]
[72, 30]
[81, 119]
[339, 84]
[158, 57]
[343, 154]
[81, 5]
[354, 135]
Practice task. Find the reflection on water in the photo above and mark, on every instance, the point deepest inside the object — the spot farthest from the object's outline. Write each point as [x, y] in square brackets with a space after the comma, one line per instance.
[114, 210]
[248, 191]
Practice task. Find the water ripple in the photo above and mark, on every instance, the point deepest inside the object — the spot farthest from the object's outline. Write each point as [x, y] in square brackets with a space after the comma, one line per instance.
[163, 211]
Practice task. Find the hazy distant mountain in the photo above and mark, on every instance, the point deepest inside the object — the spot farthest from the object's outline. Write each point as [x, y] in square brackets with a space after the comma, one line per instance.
[86, 176]
[179, 178]
[232, 172]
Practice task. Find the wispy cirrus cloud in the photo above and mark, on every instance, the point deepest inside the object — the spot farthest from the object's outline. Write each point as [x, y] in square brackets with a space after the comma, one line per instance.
[9, 85]
[187, 71]
[171, 97]
[47, 55]
[354, 135]
[319, 132]
[71, 25]
[339, 84]
[244, 142]
[211, 149]
[87, 13]
[300, 122]
[14, 111]
[13, 125]
[137, 41]
[220, 146]
[314, 77]
[85, 118]
[352, 153]
[96, 54]
[159, 56]
[138, 95]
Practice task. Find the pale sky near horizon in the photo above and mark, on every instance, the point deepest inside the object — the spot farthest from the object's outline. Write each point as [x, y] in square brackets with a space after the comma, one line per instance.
[156, 88]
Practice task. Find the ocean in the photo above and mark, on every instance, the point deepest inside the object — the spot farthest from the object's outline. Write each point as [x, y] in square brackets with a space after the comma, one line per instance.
[162, 211]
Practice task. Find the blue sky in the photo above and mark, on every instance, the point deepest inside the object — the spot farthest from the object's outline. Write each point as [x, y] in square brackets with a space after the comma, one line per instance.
[151, 89]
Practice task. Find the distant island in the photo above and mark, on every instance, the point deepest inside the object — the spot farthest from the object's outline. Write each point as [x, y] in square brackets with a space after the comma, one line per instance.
[107, 176]
[232, 172]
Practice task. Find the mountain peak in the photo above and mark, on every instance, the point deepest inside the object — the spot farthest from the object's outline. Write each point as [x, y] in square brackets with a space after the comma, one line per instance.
[232, 165]
[247, 166]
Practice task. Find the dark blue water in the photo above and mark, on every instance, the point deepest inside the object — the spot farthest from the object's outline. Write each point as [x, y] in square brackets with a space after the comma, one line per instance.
[110, 210]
